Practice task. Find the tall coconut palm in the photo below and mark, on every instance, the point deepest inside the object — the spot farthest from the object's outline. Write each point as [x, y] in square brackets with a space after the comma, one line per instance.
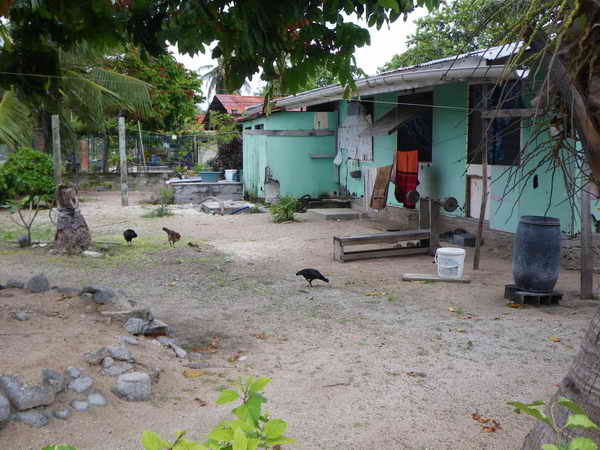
[216, 77]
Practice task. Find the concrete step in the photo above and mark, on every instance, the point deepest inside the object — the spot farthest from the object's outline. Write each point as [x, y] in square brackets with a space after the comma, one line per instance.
[335, 213]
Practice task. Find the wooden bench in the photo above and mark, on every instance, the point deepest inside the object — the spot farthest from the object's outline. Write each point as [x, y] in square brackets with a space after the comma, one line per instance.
[342, 254]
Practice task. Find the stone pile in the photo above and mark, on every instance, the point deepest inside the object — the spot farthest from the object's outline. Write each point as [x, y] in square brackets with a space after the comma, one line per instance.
[59, 395]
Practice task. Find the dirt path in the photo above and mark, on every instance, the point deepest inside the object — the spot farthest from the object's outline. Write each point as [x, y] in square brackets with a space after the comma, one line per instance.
[339, 356]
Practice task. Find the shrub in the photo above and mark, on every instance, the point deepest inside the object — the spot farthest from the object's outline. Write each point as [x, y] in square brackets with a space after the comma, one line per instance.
[251, 429]
[284, 209]
[27, 172]
[166, 195]
[161, 211]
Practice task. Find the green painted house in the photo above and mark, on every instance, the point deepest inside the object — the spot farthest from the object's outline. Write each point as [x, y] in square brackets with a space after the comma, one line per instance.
[330, 146]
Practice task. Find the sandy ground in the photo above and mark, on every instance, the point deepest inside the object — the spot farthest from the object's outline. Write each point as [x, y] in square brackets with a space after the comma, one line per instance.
[339, 356]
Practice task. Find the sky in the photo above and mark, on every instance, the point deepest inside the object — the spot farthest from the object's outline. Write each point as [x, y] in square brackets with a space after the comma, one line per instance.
[385, 43]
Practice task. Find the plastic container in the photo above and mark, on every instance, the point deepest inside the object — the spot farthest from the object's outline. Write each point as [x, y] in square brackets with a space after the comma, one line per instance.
[230, 174]
[450, 262]
[209, 176]
[536, 253]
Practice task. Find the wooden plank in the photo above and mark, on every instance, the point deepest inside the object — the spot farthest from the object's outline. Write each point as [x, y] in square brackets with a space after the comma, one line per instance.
[123, 160]
[484, 181]
[434, 218]
[319, 156]
[384, 253]
[498, 113]
[338, 250]
[289, 132]
[587, 256]
[56, 150]
[424, 277]
[384, 238]
[424, 222]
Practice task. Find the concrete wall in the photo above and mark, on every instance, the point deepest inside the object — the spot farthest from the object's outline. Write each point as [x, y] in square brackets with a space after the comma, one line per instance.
[112, 181]
[287, 160]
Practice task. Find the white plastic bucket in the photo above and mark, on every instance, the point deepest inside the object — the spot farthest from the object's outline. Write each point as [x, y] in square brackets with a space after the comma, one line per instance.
[450, 262]
[230, 174]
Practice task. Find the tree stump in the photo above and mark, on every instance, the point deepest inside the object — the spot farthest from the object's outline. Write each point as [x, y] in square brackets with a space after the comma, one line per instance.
[72, 233]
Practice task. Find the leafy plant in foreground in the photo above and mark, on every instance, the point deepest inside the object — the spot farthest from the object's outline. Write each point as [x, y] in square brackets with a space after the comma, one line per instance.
[578, 419]
[252, 428]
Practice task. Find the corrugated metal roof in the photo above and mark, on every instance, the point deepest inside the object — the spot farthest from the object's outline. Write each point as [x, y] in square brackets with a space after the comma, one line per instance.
[476, 64]
[237, 104]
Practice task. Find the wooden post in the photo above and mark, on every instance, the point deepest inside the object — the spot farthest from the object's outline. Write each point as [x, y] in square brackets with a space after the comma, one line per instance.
[484, 181]
[434, 228]
[56, 150]
[123, 160]
[587, 254]
[141, 144]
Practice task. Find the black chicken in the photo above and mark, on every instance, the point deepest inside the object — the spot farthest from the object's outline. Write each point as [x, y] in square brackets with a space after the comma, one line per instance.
[312, 274]
[129, 235]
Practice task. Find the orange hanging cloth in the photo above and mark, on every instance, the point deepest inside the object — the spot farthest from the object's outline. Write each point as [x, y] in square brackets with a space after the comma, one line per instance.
[407, 171]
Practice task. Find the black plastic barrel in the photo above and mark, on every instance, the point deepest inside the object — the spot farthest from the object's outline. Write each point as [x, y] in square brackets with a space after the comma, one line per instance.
[536, 253]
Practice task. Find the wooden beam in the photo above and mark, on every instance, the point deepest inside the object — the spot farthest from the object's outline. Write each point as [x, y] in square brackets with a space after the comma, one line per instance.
[123, 160]
[484, 181]
[56, 150]
[434, 219]
[319, 156]
[587, 255]
[497, 113]
[434, 278]
[299, 133]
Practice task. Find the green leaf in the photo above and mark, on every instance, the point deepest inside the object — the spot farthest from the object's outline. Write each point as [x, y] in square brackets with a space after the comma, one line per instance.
[152, 441]
[570, 405]
[220, 434]
[533, 412]
[259, 384]
[240, 441]
[241, 412]
[393, 4]
[581, 421]
[550, 447]
[582, 443]
[188, 445]
[280, 441]
[234, 424]
[253, 444]
[275, 428]
[227, 396]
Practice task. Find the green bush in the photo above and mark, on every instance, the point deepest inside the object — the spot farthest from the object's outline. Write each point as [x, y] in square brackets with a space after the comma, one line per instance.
[252, 428]
[166, 195]
[284, 209]
[27, 172]
[161, 211]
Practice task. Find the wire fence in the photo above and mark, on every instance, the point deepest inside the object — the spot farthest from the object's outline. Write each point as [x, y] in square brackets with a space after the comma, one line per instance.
[146, 152]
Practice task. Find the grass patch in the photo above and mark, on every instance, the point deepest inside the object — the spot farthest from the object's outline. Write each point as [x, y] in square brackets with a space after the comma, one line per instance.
[38, 233]
[161, 211]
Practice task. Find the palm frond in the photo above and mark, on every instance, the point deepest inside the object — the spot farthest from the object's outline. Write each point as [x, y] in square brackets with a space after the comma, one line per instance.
[16, 123]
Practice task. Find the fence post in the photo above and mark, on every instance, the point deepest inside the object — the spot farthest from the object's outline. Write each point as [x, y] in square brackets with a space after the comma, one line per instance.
[123, 160]
[56, 150]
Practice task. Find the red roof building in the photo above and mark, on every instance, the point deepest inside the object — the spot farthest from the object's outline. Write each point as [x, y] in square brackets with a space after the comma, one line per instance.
[234, 105]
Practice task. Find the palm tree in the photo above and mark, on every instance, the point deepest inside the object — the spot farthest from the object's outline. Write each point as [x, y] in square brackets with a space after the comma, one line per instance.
[216, 77]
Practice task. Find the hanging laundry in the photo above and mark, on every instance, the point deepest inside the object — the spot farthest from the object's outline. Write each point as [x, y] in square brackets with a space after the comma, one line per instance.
[407, 171]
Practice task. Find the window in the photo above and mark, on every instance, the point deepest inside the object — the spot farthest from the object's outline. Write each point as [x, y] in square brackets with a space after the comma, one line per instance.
[260, 126]
[504, 133]
[416, 134]
[323, 107]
